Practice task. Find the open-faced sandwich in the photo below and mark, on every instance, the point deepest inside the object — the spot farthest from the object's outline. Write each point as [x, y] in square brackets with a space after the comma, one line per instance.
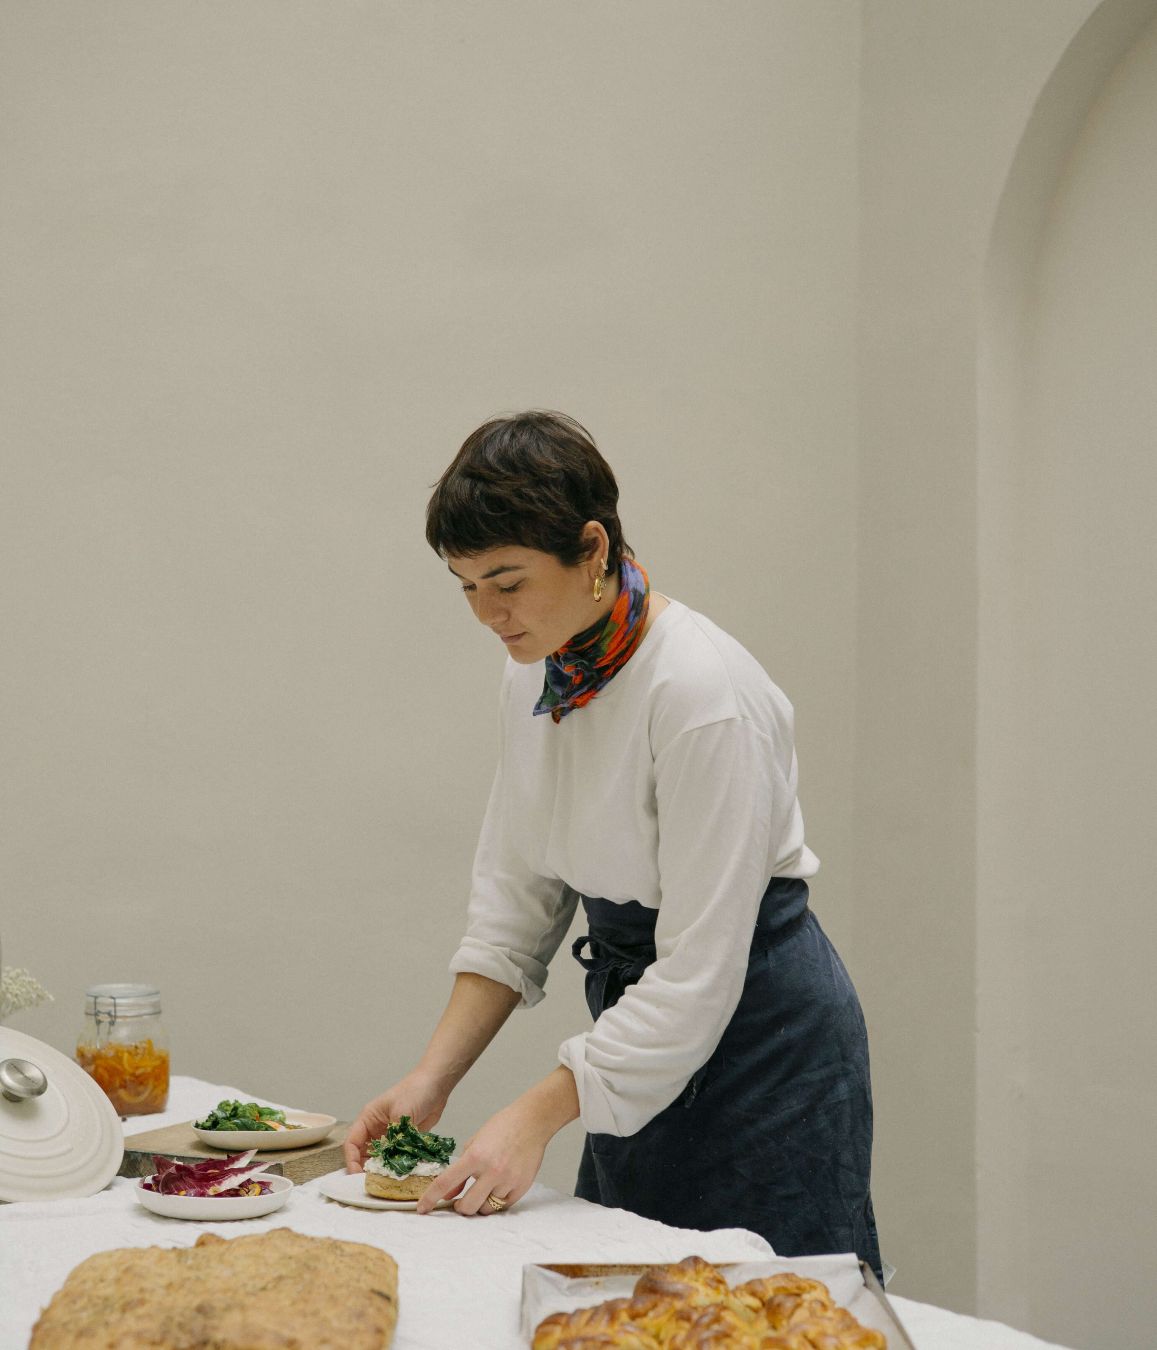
[404, 1161]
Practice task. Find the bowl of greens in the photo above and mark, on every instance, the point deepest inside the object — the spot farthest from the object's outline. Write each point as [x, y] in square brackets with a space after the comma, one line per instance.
[235, 1126]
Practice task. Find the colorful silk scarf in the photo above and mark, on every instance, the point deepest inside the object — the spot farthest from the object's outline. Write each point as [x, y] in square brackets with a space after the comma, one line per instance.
[578, 670]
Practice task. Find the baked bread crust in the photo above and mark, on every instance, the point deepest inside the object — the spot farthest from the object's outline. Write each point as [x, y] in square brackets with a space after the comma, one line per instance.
[279, 1290]
[396, 1188]
[689, 1306]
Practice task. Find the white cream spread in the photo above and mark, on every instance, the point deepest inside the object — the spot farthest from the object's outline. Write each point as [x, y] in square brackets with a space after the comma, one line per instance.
[422, 1169]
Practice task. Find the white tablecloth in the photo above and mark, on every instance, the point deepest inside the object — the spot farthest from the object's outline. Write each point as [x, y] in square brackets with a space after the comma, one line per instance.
[459, 1279]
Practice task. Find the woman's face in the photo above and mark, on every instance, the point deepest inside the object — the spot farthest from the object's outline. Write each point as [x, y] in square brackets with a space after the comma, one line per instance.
[534, 603]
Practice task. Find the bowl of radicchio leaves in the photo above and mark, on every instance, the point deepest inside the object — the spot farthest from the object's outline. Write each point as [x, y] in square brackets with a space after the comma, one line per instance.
[216, 1189]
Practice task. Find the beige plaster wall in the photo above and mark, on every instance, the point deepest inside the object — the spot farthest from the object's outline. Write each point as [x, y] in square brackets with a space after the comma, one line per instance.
[1006, 321]
[264, 266]
[1067, 938]
[946, 91]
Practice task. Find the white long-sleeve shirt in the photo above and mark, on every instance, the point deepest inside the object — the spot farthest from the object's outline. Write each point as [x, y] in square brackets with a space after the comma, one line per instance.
[675, 787]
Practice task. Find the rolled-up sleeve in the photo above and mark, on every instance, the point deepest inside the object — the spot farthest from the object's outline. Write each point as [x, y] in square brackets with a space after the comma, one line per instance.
[515, 919]
[721, 801]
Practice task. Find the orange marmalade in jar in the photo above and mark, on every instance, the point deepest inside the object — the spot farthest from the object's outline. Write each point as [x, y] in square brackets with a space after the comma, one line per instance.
[123, 1046]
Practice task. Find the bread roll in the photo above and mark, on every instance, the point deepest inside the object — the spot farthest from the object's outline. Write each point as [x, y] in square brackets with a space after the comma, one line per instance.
[387, 1187]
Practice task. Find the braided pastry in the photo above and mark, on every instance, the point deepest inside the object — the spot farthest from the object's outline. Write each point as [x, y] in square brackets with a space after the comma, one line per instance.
[693, 1281]
[613, 1323]
[689, 1306]
[715, 1325]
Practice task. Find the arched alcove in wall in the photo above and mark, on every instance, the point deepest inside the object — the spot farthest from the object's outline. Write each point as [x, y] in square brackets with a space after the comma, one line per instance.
[1067, 727]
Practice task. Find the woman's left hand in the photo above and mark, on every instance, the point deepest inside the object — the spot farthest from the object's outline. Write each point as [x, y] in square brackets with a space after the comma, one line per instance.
[504, 1156]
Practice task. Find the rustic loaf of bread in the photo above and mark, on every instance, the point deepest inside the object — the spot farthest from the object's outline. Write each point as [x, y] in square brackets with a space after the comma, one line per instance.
[278, 1289]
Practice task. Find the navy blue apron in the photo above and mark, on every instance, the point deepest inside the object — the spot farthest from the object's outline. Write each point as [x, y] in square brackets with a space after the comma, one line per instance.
[774, 1132]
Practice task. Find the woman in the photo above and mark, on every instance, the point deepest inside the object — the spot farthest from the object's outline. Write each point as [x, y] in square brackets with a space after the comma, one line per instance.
[648, 772]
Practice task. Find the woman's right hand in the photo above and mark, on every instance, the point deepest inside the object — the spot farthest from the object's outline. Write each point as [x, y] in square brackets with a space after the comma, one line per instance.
[417, 1096]
[477, 1008]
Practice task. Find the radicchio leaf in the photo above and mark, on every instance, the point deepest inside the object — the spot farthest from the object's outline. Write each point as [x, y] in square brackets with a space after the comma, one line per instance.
[228, 1178]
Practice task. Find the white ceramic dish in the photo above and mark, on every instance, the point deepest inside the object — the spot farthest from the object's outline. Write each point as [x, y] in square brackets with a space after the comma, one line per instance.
[216, 1208]
[61, 1145]
[314, 1129]
[349, 1188]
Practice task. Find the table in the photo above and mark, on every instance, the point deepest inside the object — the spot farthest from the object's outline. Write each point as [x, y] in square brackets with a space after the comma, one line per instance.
[459, 1278]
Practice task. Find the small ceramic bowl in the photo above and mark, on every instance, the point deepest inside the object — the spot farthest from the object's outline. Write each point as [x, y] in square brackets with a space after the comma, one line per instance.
[216, 1208]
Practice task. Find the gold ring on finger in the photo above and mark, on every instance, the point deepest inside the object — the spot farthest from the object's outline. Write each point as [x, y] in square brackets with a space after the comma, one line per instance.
[495, 1204]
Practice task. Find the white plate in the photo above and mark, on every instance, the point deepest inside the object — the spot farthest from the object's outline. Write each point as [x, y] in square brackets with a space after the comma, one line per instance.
[349, 1188]
[314, 1129]
[216, 1208]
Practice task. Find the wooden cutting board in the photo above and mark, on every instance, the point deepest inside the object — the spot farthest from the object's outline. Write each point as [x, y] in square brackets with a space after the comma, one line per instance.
[179, 1141]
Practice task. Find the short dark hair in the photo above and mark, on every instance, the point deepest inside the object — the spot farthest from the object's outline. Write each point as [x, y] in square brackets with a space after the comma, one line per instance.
[533, 479]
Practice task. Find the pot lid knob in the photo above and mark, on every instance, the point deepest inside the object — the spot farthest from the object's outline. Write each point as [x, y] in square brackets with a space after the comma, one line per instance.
[20, 1078]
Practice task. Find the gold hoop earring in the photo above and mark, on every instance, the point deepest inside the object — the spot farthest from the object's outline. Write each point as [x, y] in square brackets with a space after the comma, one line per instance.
[600, 582]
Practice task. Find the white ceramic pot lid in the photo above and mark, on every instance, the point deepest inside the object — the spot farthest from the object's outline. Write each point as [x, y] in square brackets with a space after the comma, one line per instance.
[64, 1142]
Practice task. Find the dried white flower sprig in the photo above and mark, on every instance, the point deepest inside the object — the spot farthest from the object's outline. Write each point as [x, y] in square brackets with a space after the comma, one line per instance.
[19, 990]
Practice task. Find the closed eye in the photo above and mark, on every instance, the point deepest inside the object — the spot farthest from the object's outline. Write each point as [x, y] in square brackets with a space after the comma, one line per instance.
[468, 587]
